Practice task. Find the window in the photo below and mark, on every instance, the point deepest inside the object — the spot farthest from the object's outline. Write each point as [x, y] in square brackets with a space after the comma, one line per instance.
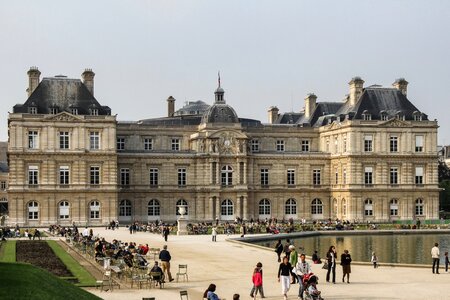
[368, 207]
[393, 144]
[316, 177]
[94, 111]
[120, 144]
[255, 145]
[175, 144]
[3, 185]
[181, 177]
[74, 111]
[33, 139]
[280, 146]
[264, 175]
[368, 143]
[53, 110]
[64, 140]
[367, 116]
[419, 175]
[64, 175]
[316, 207]
[33, 175]
[344, 176]
[33, 210]
[33, 110]
[344, 207]
[226, 208]
[94, 139]
[419, 207]
[183, 203]
[227, 176]
[383, 116]
[148, 144]
[344, 144]
[264, 207]
[393, 207]
[94, 209]
[417, 116]
[94, 174]
[305, 146]
[124, 176]
[419, 143]
[290, 207]
[393, 175]
[153, 208]
[368, 175]
[336, 176]
[125, 208]
[154, 177]
[336, 145]
[291, 176]
[64, 209]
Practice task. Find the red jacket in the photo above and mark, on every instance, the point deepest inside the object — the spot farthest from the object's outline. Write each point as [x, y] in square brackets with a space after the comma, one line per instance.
[257, 278]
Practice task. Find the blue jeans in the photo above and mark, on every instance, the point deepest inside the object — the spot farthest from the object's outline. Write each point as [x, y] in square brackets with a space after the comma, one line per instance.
[301, 287]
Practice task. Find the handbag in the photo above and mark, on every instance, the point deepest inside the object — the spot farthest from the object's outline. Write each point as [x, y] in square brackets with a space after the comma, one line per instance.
[325, 265]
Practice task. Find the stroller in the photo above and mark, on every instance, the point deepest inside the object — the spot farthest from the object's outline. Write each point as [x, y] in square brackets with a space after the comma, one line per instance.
[311, 292]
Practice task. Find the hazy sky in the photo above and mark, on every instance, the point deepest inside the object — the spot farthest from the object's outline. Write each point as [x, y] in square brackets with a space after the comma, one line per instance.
[268, 52]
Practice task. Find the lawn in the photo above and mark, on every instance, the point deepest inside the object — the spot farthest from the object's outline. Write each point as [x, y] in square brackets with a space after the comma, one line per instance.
[84, 277]
[8, 251]
[24, 281]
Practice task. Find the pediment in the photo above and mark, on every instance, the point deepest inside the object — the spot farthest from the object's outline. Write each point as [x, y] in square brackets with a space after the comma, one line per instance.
[227, 133]
[335, 125]
[395, 123]
[63, 116]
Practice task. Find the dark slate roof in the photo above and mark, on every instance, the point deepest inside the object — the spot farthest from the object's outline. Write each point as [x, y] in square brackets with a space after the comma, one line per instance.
[192, 108]
[63, 93]
[173, 121]
[288, 118]
[323, 109]
[220, 113]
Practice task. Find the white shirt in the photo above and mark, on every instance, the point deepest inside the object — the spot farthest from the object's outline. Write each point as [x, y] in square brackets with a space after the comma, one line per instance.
[85, 232]
[303, 268]
[435, 252]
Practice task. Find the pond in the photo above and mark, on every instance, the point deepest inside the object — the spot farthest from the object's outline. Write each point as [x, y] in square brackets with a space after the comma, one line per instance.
[397, 248]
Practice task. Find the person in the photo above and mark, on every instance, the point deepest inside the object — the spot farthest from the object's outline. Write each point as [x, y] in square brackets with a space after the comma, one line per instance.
[293, 259]
[284, 272]
[86, 232]
[156, 269]
[257, 280]
[210, 293]
[236, 297]
[331, 257]
[214, 234]
[279, 249]
[446, 262]
[302, 268]
[312, 288]
[435, 256]
[164, 257]
[315, 258]
[286, 249]
[374, 260]
[166, 232]
[346, 259]
[418, 223]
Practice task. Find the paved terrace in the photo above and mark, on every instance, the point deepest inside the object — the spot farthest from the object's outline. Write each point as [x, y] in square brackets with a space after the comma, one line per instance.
[230, 266]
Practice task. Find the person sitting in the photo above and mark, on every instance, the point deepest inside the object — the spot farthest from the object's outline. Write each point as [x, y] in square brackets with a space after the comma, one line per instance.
[315, 258]
[156, 269]
[313, 292]
[210, 294]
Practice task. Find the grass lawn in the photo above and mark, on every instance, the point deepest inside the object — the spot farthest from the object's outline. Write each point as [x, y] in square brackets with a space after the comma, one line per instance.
[8, 251]
[23, 281]
[84, 277]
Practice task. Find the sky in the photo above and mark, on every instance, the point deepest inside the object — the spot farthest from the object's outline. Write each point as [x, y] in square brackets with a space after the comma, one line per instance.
[269, 53]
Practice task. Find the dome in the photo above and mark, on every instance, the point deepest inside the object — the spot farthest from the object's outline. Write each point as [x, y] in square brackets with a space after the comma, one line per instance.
[220, 113]
[219, 90]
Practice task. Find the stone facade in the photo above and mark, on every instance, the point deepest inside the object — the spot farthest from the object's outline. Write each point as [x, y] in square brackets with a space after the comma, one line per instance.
[333, 160]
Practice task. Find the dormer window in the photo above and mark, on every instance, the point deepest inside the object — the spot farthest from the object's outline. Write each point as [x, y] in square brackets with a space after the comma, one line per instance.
[366, 116]
[53, 110]
[94, 111]
[400, 116]
[417, 116]
[32, 110]
[383, 115]
[74, 111]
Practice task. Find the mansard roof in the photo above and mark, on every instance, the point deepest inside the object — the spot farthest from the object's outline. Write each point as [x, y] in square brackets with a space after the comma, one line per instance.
[64, 94]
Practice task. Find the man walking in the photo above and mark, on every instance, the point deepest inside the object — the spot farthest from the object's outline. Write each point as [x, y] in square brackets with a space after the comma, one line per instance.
[435, 256]
[165, 258]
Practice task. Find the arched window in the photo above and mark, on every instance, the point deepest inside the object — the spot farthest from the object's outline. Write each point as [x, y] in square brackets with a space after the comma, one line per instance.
[368, 207]
[94, 208]
[344, 207]
[227, 175]
[316, 207]
[226, 208]
[335, 206]
[64, 210]
[264, 207]
[33, 210]
[419, 207]
[125, 208]
[185, 204]
[290, 208]
[393, 207]
[153, 208]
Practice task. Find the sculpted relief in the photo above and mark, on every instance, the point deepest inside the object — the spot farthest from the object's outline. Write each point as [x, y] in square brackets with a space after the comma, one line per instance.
[224, 143]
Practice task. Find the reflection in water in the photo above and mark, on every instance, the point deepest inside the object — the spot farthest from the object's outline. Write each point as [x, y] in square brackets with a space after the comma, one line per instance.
[399, 248]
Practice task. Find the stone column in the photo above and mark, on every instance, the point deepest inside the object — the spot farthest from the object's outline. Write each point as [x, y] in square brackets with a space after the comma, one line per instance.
[211, 207]
[238, 211]
[217, 207]
[245, 215]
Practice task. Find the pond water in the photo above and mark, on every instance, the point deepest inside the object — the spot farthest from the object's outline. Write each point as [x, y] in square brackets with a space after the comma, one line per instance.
[398, 248]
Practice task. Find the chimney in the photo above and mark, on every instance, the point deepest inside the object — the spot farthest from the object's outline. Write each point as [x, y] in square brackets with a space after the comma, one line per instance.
[356, 88]
[310, 104]
[88, 80]
[33, 79]
[273, 114]
[402, 85]
[170, 106]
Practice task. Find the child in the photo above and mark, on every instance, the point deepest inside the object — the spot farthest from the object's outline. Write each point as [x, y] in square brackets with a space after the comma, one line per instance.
[374, 260]
[312, 288]
[257, 280]
[446, 262]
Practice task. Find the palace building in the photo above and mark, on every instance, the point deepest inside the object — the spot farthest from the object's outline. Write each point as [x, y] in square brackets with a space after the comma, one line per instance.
[371, 157]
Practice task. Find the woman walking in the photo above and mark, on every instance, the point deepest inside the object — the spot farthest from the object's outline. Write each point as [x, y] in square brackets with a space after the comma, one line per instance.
[331, 257]
[284, 276]
[346, 259]
[279, 249]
